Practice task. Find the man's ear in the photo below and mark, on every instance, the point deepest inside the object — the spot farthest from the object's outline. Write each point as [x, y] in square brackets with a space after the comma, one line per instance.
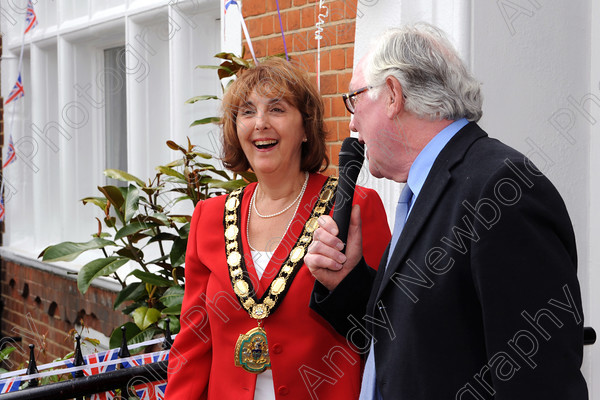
[394, 100]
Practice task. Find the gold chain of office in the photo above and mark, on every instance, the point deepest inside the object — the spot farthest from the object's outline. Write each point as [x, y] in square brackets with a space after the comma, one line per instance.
[242, 286]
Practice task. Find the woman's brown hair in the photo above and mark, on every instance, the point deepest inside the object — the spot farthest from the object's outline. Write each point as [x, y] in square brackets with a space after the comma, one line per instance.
[276, 78]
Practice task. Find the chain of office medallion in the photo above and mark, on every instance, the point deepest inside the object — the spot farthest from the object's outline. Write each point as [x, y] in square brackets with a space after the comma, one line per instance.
[242, 286]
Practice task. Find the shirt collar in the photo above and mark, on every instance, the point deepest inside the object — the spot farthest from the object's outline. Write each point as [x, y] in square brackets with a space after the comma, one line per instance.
[422, 165]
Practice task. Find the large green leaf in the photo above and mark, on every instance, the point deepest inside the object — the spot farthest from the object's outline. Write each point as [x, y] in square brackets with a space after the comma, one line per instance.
[68, 251]
[144, 317]
[123, 176]
[173, 296]
[171, 172]
[130, 292]
[143, 336]
[204, 121]
[177, 256]
[113, 194]
[173, 310]
[174, 324]
[163, 236]
[99, 201]
[228, 185]
[132, 202]
[131, 330]
[98, 268]
[133, 228]
[201, 98]
[151, 278]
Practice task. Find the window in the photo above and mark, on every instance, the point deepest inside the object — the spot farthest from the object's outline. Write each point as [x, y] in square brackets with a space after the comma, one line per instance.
[106, 85]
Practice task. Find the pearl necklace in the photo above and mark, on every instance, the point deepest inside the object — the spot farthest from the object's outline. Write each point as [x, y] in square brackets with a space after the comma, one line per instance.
[253, 200]
[291, 219]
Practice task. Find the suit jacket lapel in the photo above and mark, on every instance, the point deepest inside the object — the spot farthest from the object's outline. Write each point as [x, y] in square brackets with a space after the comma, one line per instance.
[430, 194]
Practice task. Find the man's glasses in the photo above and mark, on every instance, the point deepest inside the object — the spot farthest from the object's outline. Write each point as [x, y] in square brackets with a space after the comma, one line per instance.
[350, 98]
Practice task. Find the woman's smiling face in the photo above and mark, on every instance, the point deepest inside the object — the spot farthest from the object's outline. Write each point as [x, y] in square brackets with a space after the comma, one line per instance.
[271, 132]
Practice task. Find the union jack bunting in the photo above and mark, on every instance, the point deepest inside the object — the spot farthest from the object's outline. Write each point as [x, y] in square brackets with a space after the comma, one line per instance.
[10, 385]
[11, 155]
[93, 360]
[151, 391]
[2, 210]
[30, 19]
[147, 359]
[17, 91]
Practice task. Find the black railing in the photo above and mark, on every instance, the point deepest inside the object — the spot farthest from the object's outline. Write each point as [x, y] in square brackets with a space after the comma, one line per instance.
[124, 379]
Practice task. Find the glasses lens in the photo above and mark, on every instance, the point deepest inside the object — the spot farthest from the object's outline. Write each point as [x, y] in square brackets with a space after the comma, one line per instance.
[349, 103]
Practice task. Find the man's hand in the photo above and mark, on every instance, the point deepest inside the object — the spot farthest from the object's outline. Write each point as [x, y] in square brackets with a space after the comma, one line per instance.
[325, 259]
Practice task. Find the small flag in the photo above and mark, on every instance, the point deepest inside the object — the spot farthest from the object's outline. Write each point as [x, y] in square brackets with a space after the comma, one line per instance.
[151, 391]
[10, 384]
[2, 213]
[31, 19]
[17, 91]
[11, 155]
[147, 359]
[92, 360]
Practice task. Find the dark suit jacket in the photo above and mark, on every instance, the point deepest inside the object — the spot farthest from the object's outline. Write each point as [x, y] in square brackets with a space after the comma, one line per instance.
[481, 298]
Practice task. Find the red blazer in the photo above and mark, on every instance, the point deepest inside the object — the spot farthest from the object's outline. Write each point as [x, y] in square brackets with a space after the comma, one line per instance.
[308, 358]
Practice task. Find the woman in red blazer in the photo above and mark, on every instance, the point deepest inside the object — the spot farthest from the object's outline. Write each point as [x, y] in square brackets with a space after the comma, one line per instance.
[246, 329]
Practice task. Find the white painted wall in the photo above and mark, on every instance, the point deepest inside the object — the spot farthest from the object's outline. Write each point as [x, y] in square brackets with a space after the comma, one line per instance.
[539, 63]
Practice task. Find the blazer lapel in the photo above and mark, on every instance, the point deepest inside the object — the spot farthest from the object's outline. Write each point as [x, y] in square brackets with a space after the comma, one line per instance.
[430, 194]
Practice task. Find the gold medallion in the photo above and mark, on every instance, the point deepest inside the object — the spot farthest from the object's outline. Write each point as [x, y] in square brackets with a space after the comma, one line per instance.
[252, 351]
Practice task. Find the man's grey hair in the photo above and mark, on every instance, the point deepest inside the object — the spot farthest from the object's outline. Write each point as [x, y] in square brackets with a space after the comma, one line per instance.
[435, 82]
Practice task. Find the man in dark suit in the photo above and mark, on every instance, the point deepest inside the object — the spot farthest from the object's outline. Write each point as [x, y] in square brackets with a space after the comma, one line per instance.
[477, 296]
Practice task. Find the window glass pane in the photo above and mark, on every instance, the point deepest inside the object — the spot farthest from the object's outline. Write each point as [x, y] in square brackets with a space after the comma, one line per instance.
[115, 97]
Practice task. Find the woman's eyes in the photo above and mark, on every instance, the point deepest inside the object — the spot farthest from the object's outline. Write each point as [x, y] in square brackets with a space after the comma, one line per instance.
[252, 111]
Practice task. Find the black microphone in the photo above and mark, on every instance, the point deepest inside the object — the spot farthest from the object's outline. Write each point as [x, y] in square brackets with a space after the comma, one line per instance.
[352, 155]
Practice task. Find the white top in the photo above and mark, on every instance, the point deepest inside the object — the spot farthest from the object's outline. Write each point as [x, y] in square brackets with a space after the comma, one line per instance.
[265, 389]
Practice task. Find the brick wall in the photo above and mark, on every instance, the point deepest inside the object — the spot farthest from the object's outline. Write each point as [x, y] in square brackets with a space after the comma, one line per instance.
[337, 50]
[43, 307]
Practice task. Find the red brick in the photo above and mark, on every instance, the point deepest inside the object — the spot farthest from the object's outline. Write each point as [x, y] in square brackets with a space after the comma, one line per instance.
[334, 153]
[325, 63]
[306, 61]
[328, 84]
[336, 10]
[327, 102]
[332, 130]
[338, 59]
[254, 7]
[350, 57]
[350, 8]
[329, 36]
[338, 109]
[308, 17]
[293, 20]
[254, 26]
[344, 81]
[345, 33]
[275, 46]
[260, 48]
[299, 2]
[298, 40]
[266, 25]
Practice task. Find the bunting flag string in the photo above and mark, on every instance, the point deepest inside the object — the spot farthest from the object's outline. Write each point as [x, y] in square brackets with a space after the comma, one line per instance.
[59, 364]
[282, 33]
[31, 18]
[11, 155]
[229, 3]
[16, 93]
